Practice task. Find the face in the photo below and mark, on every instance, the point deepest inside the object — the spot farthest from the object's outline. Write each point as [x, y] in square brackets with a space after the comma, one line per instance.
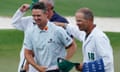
[50, 11]
[49, 8]
[81, 22]
[39, 16]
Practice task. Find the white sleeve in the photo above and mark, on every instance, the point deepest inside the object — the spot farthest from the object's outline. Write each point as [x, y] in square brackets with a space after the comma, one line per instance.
[64, 37]
[20, 22]
[28, 39]
[75, 32]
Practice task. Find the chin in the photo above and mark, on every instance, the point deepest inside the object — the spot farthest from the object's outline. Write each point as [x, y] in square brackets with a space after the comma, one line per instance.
[80, 29]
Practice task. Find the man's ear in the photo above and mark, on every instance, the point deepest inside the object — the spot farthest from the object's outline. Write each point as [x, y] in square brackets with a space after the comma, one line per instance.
[48, 14]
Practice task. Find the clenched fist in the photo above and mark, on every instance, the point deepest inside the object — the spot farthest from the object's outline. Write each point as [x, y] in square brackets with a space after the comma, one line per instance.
[24, 7]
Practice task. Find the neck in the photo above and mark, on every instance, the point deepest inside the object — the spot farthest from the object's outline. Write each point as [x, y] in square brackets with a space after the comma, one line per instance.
[89, 30]
[42, 26]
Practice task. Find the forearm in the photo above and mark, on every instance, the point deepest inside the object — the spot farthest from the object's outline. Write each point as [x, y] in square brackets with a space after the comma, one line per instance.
[71, 50]
[29, 58]
[60, 24]
[17, 16]
[18, 21]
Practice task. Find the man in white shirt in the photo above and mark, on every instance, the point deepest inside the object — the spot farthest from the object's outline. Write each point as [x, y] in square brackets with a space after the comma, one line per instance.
[46, 42]
[96, 49]
[22, 23]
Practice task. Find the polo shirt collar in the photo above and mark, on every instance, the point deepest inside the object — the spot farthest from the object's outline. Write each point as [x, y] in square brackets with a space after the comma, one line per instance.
[45, 28]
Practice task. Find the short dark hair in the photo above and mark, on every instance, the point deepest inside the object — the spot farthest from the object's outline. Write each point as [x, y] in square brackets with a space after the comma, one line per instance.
[87, 12]
[40, 5]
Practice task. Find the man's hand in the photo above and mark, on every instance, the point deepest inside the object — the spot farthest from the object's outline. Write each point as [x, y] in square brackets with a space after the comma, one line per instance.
[79, 67]
[24, 7]
[41, 68]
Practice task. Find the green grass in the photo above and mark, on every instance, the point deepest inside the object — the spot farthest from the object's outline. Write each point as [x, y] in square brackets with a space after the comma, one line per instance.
[115, 41]
[11, 42]
[104, 8]
[10, 45]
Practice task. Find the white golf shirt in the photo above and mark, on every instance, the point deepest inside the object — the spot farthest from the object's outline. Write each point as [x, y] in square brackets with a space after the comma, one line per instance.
[96, 46]
[47, 45]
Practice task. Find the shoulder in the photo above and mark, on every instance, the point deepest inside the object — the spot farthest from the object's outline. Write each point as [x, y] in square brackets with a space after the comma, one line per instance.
[30, 29]
[99, 35]
[58, 18]
[98, 32]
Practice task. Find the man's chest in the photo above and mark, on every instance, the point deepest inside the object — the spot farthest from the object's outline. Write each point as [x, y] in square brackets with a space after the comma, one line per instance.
[89, 49]
[45, 40]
